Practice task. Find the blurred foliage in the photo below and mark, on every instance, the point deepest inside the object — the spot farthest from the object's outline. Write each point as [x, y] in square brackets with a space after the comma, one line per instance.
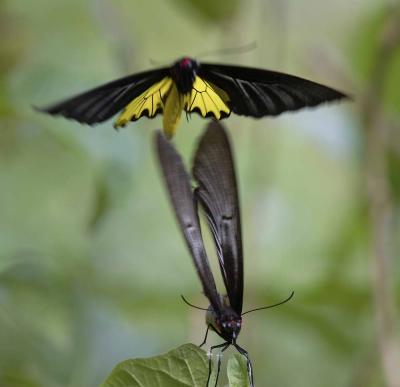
[209, 10]
[91, 261]
[393, 173]
[367, 44]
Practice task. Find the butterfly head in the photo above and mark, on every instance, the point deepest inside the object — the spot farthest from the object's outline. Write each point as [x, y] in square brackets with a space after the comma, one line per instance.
[188, 63]
[227, 323]
[183, 72]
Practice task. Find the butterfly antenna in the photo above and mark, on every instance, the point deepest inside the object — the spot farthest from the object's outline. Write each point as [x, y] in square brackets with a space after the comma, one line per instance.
[231, 50]
[155, 62]
[193, 306]
[271, 306]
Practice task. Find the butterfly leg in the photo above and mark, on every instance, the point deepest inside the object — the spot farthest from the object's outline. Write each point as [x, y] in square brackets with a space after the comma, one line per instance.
[219, 362]
[205, 337]
[210, 361]
[249, 365]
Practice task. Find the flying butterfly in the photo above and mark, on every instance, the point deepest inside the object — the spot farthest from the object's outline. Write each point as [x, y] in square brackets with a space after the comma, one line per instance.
[217, 194]
[211, 90]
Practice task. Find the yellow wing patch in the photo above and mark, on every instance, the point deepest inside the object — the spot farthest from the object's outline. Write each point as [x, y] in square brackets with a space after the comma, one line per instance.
[149, 103]
[208, 100]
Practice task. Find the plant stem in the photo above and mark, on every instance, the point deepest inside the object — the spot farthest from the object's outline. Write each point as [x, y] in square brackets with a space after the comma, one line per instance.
[380, 205]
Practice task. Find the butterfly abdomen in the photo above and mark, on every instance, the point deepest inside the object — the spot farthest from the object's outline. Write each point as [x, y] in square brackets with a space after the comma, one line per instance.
[172, 110]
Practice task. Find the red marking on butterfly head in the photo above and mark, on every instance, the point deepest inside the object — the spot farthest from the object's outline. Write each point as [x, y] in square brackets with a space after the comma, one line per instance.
[183, 73]
[186, 62]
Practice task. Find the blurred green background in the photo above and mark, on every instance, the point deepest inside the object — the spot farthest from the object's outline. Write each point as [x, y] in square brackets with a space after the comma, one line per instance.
[91, 261]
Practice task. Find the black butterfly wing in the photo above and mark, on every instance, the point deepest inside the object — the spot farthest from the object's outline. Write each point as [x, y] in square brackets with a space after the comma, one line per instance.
[213, 169]
[258, 93]
[181, 195]
[102, 102]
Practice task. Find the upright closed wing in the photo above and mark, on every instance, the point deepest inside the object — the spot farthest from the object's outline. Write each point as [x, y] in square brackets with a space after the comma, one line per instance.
[217, 192]
[181, 195]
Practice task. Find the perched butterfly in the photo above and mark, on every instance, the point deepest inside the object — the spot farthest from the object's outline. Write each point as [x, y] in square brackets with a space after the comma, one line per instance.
[212, 90]
[217, 194]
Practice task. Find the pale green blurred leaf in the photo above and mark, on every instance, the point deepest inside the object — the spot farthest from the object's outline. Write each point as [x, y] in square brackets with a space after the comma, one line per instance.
[237, 371]
[184, 366]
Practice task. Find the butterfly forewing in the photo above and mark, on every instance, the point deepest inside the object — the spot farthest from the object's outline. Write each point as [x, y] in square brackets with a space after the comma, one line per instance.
[101, 103]
[217, 192]
[181, 195]
[258, 93]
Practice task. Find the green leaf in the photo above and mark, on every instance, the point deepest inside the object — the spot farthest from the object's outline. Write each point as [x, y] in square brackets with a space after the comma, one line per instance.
[237, 371]
[182, 367]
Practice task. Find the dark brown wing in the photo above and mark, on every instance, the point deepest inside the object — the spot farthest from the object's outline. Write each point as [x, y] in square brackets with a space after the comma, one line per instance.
[181, 195]
[213, 169]
[257, 93]
[102, 102]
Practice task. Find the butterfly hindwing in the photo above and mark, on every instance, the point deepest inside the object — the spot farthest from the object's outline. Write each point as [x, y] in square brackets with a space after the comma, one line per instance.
[149, 103]
[208, 100]
[257, 93]
[217, 192]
